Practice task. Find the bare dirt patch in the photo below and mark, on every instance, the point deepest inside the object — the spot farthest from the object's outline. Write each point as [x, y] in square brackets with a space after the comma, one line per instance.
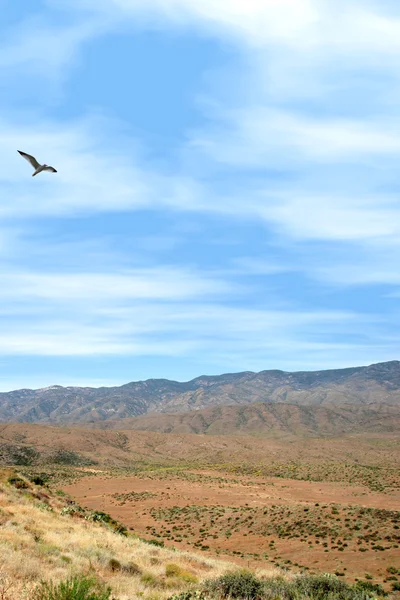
[317, 526]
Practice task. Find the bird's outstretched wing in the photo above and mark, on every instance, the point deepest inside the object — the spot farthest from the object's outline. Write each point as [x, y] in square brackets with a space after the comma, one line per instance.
[51, 169]
[30, 159]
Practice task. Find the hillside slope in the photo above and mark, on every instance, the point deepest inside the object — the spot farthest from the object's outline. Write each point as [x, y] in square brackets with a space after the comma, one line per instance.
[46, 536]
[268, 420]
[376, 384]
[26, 444]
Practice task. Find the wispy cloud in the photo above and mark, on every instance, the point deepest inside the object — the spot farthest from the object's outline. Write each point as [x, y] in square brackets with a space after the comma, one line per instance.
[300, 145]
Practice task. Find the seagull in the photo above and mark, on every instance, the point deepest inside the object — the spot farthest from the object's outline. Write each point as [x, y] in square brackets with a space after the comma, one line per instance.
[38, 168]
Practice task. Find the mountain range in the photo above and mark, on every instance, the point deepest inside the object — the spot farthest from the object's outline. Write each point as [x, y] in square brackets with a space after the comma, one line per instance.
[325, 402]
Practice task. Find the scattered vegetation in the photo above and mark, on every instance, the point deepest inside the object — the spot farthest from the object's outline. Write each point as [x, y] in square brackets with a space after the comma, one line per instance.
[78, 554]
[237, 584]
[243, 585]
[45, 533]
[14, 454]
[68, 457]
[74, 588]
[326, 535]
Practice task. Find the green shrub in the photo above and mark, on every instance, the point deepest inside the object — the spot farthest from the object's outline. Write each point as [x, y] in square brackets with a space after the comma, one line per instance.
[102, 517]
[245, 585]
[37, 480]
[74, 588]
[238, 584]
[121, 529]
[368, 586]
[190, 595]
[396, 586]
[320, 586]
[153, 542]
[73, 509]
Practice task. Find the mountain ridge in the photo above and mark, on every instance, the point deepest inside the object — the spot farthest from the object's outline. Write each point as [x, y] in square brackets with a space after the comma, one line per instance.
[367, 385]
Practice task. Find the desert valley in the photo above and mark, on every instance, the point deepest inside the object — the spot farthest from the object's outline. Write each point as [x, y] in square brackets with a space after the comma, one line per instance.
[285, 475]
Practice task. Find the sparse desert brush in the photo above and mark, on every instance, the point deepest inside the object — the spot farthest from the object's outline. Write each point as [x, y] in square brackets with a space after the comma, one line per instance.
[41, 544]
[18, 482]
[243, 585]
[73, 588]
[174, 570]
[237, 584]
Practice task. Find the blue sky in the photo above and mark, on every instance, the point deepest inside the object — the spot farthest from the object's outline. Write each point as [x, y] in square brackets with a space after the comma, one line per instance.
[227, 195]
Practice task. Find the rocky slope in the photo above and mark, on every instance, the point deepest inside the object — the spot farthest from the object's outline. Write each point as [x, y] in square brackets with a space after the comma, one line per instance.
[268, 420]
[376, 384]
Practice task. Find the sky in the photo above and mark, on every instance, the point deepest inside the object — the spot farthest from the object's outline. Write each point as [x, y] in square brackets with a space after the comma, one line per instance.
[227, 196]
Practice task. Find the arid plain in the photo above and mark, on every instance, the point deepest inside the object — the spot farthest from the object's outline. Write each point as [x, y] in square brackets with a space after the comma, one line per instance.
[299, 488]
[318, 505]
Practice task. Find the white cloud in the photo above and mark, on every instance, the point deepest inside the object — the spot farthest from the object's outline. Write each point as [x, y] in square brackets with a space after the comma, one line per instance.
[104, 327]
[332, 217]
[304, 25]
[264, 137]
[41, 48]
[163, 283]
[251, 20]
[308, 171]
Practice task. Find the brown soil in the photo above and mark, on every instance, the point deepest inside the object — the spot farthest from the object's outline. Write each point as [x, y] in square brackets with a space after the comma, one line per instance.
[317, 526]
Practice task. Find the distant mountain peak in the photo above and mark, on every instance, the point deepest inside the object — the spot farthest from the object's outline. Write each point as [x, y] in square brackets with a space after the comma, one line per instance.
[377, 383]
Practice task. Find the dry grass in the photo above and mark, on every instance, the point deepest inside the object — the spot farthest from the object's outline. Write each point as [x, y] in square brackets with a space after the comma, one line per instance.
[37, 542]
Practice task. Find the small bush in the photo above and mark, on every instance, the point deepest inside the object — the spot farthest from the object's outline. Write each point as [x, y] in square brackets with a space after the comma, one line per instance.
[102, 517]
[151, 580]
[72, 510]
[17, 482]
[396, 586]
[132, 568]
[121, 529]
[190, 595]
[320, 586]
[114, 565]
[75, 588]
[153, 542]
[172, 570]
[238, 584]
[368, 586]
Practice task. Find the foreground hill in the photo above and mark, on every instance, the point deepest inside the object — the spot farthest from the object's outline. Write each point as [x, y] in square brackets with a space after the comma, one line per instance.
[268, 420]
[376, 384]
[46, 536]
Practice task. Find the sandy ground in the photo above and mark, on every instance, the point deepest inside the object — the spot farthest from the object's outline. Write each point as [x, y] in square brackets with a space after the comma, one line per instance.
[214, 491]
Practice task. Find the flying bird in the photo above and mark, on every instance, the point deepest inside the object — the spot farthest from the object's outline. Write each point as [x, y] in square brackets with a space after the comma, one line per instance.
[38, 168]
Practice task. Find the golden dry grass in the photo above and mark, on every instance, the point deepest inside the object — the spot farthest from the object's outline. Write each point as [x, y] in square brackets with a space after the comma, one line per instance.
[37, 542]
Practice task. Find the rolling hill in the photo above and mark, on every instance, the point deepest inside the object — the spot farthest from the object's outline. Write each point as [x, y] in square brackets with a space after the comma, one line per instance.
[26, 444]
[275, 420]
